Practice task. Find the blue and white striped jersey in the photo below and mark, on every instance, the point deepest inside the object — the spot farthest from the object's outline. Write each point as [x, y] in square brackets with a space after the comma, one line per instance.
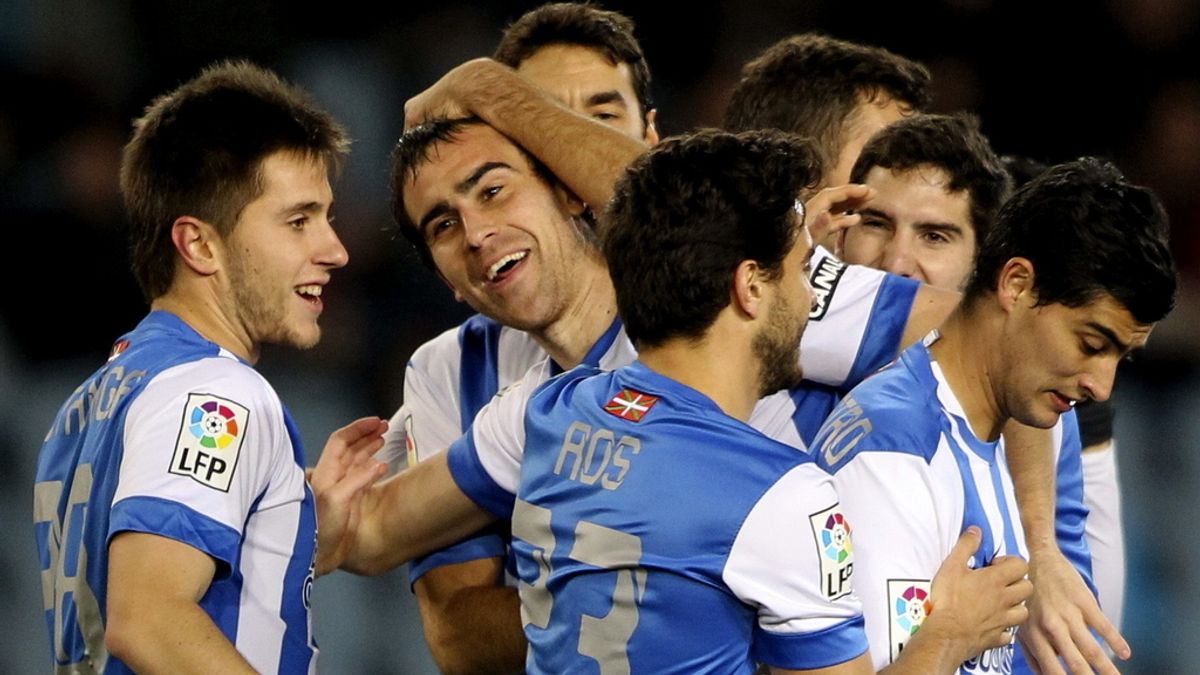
[854, 329]
[177, 437]
[912, 477]
[654, 533]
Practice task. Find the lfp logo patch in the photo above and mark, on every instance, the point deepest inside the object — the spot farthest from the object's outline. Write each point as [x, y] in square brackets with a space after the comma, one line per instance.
[832, 533]
[210, 440]
[910, 604]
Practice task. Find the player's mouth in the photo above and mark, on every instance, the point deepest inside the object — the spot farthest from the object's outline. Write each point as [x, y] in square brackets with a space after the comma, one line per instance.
[311, 294]
[505, 267]
[1061, 403]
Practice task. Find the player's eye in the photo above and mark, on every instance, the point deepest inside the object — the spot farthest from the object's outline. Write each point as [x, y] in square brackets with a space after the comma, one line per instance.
[488, 193]
[440, 227]
[298, 222]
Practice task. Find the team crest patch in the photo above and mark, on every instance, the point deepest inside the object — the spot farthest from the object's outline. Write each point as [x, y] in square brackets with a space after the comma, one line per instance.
[824, 280]
[410, 443]
[832, 533]
[210, 439]
[630, 405]
[909, 604]
[118, 348]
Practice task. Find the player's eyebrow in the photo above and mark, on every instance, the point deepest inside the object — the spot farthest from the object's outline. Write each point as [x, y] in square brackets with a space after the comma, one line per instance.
[875, 213]
[1122, 347]
[939, 227]
[600, 98]
[302, 207]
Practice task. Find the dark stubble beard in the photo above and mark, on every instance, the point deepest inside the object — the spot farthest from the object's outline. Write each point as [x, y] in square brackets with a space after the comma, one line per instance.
[777, 347]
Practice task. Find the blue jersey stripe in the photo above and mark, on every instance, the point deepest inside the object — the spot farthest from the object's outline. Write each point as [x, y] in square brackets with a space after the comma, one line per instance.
[885, 329]
[296, 650]
[478, 376]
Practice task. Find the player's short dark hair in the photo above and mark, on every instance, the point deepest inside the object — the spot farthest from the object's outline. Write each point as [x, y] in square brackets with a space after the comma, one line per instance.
[684, 216]
[811, 84]
[571, 23]
[952, 143]
[199, 149]
[414, 149]
[1088, 233]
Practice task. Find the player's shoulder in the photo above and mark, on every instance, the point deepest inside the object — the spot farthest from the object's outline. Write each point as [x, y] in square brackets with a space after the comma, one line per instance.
[217, 384]
[894, 410]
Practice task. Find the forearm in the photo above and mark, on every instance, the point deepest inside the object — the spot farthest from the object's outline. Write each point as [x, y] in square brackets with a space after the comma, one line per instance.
[1030, 455]
[413, 513]
[934, 649]
[475, 629]
[171, 635]
[586, 155]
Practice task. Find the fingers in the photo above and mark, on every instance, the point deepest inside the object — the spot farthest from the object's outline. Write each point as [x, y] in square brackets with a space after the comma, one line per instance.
[965, 547]
[1108, 632]
[1039, 652]
[831, 209]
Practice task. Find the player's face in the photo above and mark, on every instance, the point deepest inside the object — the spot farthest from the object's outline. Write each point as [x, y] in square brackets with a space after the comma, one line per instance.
[870, 117]
[585, 81]
[778, 344]
[1058, 355]
[281, 253]
[913, 226]
[504, 240]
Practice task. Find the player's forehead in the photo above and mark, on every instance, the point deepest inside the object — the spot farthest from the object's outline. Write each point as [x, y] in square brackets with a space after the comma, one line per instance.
[448, 163]
[919, 194]
[573, 73]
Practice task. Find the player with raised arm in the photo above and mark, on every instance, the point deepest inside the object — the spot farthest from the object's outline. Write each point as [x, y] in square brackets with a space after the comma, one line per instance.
[175, 527]
[1072, 276]
[694, 587]
[589, 59]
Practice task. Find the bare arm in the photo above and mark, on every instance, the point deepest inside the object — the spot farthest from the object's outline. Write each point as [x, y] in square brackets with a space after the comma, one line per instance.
[472, 622]
[1062, 607]
[586, 155]
[412, 513]
[930, 308]
[155, 623]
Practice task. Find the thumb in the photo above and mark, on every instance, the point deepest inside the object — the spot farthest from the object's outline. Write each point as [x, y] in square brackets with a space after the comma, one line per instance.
[967, 545]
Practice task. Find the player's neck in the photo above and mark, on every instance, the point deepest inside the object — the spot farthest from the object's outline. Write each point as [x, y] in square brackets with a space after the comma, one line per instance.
[203, 311]
[965, 355]
[570, 337]
[709, 365]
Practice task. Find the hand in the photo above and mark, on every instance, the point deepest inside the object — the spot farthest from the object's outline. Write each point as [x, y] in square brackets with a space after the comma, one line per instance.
[1061, 610]
[831, 210]
[977, 608]
[342, 475]
[442, 101]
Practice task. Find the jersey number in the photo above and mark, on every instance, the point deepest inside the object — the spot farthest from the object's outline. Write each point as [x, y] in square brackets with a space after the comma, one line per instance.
[65, 593]
[603, 638]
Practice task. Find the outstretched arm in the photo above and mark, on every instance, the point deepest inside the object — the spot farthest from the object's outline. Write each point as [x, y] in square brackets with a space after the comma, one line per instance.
[586, 155]
[412, 513]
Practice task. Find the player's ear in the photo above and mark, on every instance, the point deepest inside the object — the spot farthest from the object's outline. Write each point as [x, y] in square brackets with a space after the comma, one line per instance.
[198, 244]
[1014, 287]
[651, 134]
[749, 289]
[574, 205]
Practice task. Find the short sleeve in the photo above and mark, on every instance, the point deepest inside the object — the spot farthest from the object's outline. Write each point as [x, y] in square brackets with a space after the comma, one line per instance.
[857, 321]
[800, 583]
[430, 418]
[201, 444]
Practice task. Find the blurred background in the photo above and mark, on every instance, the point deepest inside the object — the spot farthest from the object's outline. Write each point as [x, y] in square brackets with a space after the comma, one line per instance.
[1051, 80]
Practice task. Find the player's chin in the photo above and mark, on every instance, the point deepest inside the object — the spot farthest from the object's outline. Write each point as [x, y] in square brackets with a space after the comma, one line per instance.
[1043, 418]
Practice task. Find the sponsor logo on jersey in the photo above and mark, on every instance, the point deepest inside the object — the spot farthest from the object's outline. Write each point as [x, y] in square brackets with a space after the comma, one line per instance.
[908, 600]
[832, 533]
[824, 281]
[630, 405]
[210, 439]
